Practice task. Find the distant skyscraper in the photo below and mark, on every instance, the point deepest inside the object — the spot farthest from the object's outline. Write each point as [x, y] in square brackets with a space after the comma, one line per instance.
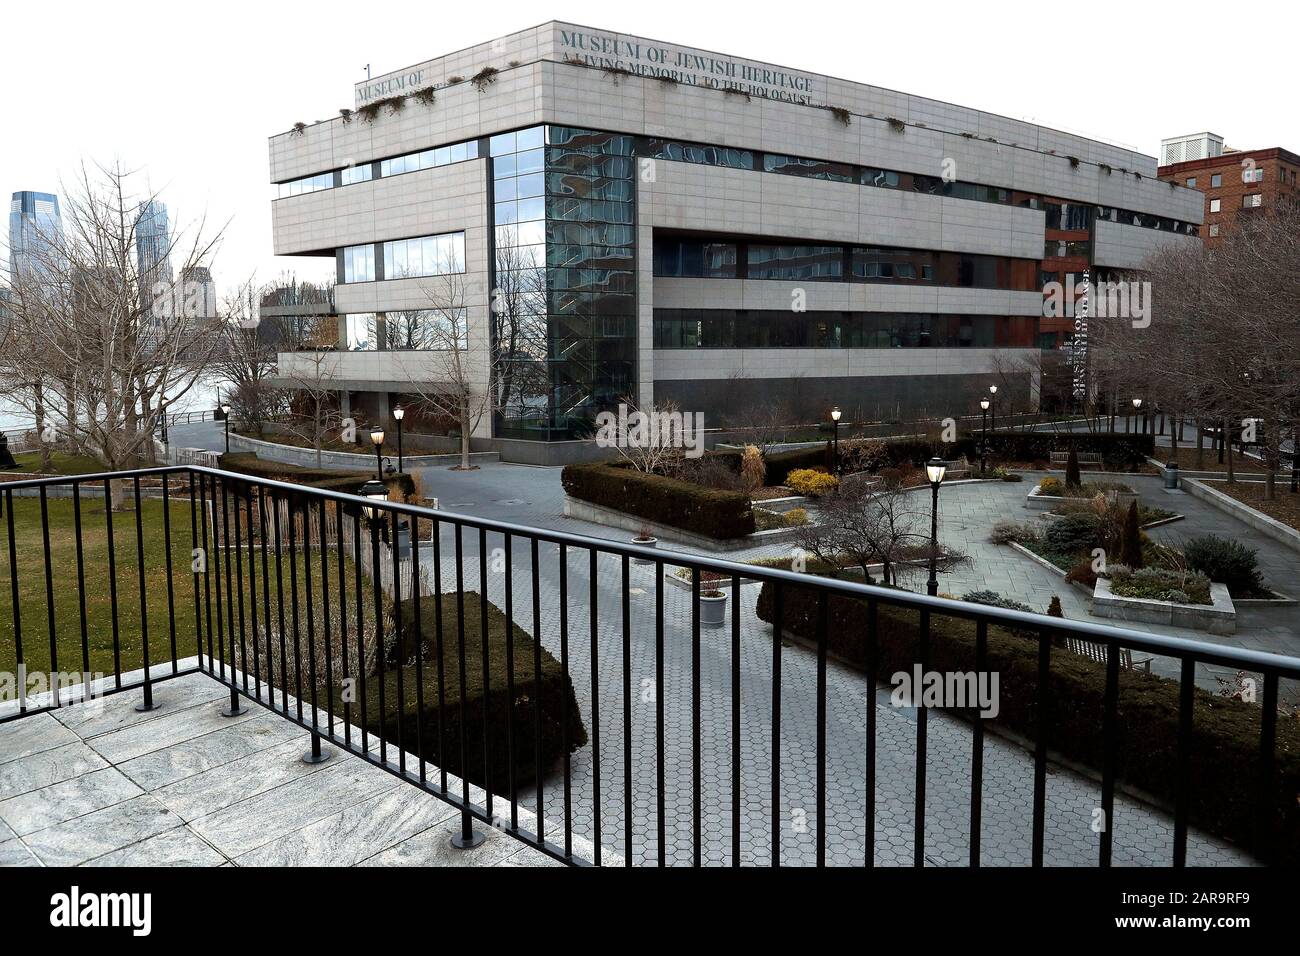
[35, 227]
[152, 245]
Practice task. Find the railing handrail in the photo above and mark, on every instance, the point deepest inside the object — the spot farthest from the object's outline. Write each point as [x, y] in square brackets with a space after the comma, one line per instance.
[1179, 647]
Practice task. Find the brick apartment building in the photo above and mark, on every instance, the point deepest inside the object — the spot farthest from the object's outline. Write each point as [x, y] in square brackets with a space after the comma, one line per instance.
[1235, 182]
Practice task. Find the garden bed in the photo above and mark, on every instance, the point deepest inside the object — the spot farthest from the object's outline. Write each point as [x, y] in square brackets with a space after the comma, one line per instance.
[1217, 617]
[1221, 785]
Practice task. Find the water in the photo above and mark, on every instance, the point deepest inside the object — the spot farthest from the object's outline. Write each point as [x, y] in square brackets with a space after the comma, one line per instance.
[15, 419]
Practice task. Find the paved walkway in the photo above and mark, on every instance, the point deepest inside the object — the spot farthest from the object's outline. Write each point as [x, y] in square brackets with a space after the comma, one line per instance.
[1143, 836]
[98, 784]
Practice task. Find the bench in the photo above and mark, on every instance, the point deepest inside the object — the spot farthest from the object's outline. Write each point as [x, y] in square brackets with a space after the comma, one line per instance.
[1087, 459]
[1097, 652]
[957, 468]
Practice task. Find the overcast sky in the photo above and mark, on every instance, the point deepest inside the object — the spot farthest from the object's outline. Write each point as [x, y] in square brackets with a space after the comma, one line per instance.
[188, 93]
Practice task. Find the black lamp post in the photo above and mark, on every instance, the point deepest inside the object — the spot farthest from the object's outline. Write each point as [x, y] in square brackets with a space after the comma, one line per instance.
[377, 439]
[1137, 405]
[398, 414]
[984, 441]
[225, 419]
[1295, 456]
[993, 404]
[935, 469]
[835, 432]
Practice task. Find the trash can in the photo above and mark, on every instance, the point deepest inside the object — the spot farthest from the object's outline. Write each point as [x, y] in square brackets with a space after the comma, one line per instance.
[1171, 475]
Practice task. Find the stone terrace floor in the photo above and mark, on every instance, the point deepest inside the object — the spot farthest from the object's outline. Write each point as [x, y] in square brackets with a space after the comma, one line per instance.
[98, 784]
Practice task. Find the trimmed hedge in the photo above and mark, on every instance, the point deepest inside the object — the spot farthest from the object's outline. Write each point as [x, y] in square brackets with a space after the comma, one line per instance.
[247, 463]
[419, 727]
[681, 504]
[1117, 449]
[1225, 732]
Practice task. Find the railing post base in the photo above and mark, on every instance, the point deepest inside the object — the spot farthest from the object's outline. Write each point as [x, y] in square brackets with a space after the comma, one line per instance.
[468, 837]
[233, 709]
[315, 755]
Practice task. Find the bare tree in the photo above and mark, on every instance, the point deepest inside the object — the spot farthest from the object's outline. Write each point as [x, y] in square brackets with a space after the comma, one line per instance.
[436, 359]
[246, 358]
[98, 348]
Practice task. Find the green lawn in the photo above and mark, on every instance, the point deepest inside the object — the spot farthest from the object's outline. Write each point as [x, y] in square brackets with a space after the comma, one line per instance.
[32, 590]
[61, 463]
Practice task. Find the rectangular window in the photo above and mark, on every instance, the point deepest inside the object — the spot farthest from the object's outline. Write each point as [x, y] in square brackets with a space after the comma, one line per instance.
[1216, 180]
[359, 264]
[1191, 182]
[1215, 205]
[425, 256]
[357, 174]
[426, 330]
[1214, 229]
[1252, 200]
[307, 184]
[1252, 174]
[361, 332]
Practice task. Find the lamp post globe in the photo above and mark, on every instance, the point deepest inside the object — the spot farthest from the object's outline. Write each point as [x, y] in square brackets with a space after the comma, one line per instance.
[398, 414]
[984, 428]
[377, 439]
[935, 469]
[835, 437]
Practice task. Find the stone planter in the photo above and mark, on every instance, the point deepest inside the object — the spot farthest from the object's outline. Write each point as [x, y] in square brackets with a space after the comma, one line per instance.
[1036, 501]
[1219, 617]
[713, 609]
[644, 543]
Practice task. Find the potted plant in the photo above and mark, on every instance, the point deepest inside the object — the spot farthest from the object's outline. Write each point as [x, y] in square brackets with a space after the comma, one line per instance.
[644, 539]
[713, 608]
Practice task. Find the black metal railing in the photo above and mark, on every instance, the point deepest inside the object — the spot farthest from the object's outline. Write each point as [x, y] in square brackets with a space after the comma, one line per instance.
[628, 729]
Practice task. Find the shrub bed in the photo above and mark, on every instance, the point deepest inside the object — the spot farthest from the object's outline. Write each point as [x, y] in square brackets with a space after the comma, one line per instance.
[549, 704]
[1225, 732]
[247, 463]
[681, 504]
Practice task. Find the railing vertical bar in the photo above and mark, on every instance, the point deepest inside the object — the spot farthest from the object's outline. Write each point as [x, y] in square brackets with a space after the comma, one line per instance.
[195, 553]
[922, 734]
[1266, 807]
[977, 749]
[417, 643]
[595, 711]
[13, 590]
[1110, 745]
[462, 677]
[660, 749]
[112, 587]
[869, 784]
[167, 545]
[778, 628]
[537, 689]
[487, 678]
[1042, 703]
[438, 642]
[629, 800]
[228, 577]
[51, 628]
[263, 530]
[697, 827]
[209, 564]
[512, 784]
[147, 703]
[377, 585]
[343, 626]
[81, 587]
[362, 661]
[735, 720]
[823, 623]
[400, 628]
[252, 594]
[239, 591]
[564, 706]
[295, 622]
[325, 617]
[1187, 684]
[309, 598]
[279, 605]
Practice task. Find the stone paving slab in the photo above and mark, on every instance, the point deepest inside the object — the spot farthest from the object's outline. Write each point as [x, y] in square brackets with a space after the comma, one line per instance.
[98, 784]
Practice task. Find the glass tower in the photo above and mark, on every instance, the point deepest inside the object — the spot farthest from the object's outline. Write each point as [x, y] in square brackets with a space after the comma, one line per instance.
[35, 230]
[152, 245]
[564, 296]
